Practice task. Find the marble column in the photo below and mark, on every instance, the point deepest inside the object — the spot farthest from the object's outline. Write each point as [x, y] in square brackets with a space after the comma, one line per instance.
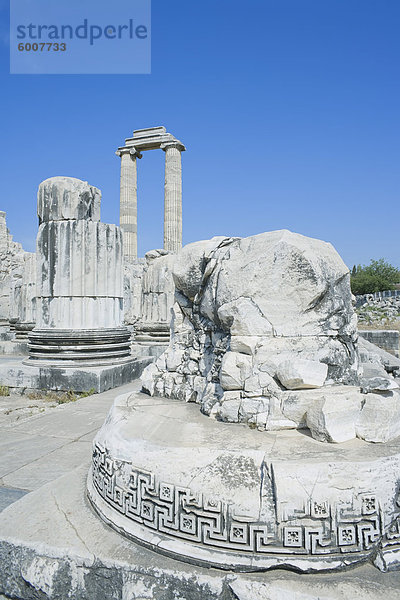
[128, 201]
[79, 279]
[173, 196]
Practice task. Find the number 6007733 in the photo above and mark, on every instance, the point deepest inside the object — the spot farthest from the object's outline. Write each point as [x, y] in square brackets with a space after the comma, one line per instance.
[42, 47]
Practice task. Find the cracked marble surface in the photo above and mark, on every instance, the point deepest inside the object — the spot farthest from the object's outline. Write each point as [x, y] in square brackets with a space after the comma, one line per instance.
[42, 561]
[287, 498]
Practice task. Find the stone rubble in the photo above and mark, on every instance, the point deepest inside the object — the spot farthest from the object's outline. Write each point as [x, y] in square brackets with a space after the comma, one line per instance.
[12, 257]
[378, 311]
[259, 323]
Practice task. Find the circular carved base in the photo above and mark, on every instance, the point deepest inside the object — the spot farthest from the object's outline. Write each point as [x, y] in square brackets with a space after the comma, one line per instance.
[226, 496]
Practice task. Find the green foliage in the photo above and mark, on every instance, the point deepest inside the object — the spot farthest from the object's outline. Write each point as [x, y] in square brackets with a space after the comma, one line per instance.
[58, 397]
[86, 394]
[62, 398]
[378, 276]
[4, 390]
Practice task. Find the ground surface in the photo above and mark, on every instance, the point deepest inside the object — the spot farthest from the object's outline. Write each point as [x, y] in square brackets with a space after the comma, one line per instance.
[79, 557]
[41, 440]
[55, 527]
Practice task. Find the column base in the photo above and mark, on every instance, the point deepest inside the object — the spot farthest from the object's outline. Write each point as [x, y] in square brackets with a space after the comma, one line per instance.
[22, 330]
[87, 347]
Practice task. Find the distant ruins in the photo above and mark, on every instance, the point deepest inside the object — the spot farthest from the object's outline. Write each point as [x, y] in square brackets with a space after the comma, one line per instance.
[84, 284]
[142, 140]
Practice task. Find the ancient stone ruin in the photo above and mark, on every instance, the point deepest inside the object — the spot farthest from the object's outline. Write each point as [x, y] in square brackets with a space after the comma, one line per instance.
[80, 285]
[266, 434]
[68, 298]
[264, 332]
[264, 341]
[152, 138]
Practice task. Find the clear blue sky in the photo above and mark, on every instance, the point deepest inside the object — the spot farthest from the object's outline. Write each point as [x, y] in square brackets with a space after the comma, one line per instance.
[289, 110]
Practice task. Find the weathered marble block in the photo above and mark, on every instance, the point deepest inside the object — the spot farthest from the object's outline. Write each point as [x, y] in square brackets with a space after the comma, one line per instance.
[156, 298]
[255, 318]
[63, 198]
[80, 280]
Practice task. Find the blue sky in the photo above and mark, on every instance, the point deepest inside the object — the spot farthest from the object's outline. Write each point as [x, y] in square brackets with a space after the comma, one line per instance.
[289, 110]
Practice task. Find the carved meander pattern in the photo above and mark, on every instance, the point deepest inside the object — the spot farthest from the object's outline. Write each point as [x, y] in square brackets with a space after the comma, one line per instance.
[318, 529]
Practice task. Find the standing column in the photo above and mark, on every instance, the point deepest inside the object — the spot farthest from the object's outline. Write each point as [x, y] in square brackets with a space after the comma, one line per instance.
[79, 284]
[128, 201]
[173, 196]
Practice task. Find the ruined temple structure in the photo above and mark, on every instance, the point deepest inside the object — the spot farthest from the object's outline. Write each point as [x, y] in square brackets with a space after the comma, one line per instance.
[17, 293]
[157, 297]
[151, 139]
[265, 435]
[22, 312]
[67, 298]
[142, 295]
[149, 288]
[252, 448]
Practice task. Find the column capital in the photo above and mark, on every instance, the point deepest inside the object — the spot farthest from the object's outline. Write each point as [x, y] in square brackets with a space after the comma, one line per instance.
[173, 144]
[134, 153]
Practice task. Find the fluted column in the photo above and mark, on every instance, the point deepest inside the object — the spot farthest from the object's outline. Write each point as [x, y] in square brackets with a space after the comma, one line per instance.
[128, 201]
[79, 279]
[173, 196]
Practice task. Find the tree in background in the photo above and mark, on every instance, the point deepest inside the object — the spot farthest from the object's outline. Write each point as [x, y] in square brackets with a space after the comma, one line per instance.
[378, 276]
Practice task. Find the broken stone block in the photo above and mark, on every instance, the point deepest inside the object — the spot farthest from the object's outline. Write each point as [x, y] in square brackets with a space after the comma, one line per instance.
[65, 198]
[149, 379]
[246, 344]
[229, 410]
[332, 418]
[235, 369]
[252, 385]
[295, 405]
[249, 408]
[174, 359]
[379, 419]
[298, 374]
[375, 379]
[243, 318]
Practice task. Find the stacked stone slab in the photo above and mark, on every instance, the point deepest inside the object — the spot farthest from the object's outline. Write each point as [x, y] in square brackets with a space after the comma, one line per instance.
[157, 299]
[79, 279]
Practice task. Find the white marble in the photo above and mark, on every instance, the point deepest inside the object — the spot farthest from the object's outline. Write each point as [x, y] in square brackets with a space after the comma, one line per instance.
[173, 198]
[63, 198]
[235, 498]
[128, 202]
[152, 138]
[80, 286]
